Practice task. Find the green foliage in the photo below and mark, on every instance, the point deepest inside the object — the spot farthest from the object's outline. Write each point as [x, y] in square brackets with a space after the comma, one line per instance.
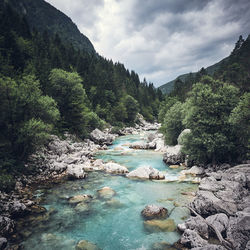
[173, 123]
[67, 89]
[207, 115]
[132, 108]
[26, 116]
[165, 106]
[7, 182]
[239, 118]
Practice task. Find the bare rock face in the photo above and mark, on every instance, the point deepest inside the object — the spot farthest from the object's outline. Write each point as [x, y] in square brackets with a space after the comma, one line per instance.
[238, 231]
[153, 212]
[146, 172]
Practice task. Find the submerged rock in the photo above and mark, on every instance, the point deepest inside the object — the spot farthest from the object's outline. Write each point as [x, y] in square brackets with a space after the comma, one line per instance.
[146, 172]
[160, 225]
[80, 198]
[106, 193]
[154, 211]
[113, 203]
[86, 245]
[82, 207]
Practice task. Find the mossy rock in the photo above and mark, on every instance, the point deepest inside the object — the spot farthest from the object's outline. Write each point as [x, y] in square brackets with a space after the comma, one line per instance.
[160, 225]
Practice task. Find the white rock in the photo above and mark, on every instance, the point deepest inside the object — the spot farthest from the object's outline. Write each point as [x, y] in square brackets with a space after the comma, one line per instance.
[114, 168]
[146, 172]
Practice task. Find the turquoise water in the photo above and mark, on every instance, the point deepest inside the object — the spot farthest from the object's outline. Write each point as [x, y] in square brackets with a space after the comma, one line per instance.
[113, 223]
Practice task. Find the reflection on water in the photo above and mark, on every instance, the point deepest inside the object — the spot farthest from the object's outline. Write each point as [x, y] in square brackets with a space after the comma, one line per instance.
[111, 220]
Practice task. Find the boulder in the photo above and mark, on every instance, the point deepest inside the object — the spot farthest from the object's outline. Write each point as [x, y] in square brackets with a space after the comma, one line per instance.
[182, 134]
[191, 238]
[194, 171]
[3, 243]
[106, 193]
[102, 138]
[86, 245]
[114, 168]
[139, 145]
[206, 203]
[153, 212]
[173, 155]
[146, 172]
[220, 221]
[197, 224]
[160, 225]
[57, 146]
[76, 172]
[210, 184]
[59, 167]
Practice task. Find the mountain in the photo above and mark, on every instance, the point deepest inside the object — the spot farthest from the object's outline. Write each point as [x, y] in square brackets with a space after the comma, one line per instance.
[169, 86]
[234, 69]
[42, 16]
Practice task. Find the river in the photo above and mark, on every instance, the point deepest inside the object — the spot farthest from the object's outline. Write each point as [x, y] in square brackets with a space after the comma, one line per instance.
[113, 223]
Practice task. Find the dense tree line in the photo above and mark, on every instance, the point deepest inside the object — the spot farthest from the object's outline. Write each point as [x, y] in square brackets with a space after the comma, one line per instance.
[48, 86]
[216, 110]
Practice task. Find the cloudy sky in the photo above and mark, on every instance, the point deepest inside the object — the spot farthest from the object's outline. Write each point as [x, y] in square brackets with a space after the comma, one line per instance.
[160, 39]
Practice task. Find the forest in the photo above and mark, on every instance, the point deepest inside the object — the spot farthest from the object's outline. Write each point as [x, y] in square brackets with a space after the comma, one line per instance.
[48, 86]
[215, 108]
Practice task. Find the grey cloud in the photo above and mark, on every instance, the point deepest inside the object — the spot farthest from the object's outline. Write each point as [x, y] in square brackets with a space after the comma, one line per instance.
[161, 39]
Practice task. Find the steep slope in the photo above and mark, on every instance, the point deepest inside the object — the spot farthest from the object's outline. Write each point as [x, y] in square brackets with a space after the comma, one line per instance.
[169, 86]
[43, 16]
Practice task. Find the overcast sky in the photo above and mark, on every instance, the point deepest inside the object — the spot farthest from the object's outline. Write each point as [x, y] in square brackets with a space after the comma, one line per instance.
[160, 39]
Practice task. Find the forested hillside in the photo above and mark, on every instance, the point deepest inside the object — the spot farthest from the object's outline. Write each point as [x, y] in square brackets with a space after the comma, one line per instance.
[215, 109]
[49, 86]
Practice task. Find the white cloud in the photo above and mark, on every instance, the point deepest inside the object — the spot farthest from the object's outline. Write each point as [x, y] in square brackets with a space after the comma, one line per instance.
[162, 43]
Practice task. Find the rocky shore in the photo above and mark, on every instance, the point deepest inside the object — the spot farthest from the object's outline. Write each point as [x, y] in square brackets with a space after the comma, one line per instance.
[60, 160]
[221, 210]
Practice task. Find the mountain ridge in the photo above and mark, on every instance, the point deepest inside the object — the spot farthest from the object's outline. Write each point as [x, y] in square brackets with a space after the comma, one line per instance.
[169, 86]
[43, 16]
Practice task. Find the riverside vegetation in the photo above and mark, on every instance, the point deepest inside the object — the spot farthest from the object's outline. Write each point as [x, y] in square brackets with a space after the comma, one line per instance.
[51, 86]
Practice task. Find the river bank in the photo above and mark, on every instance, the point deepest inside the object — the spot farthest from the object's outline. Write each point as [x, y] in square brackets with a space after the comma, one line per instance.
[59, 161]
[222, 199]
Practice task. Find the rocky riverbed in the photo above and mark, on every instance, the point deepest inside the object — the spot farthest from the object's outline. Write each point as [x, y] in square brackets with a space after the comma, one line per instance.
[222, 201]
[61, 160]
